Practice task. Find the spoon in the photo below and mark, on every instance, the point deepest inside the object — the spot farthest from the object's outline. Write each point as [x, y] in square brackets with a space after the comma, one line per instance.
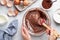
[43, 22]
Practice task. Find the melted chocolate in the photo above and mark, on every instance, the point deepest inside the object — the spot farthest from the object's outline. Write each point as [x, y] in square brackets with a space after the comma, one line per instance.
[47, 4]
[33, 16]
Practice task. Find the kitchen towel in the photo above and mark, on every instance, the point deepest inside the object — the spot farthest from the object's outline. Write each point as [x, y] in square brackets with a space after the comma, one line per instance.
[10, 31]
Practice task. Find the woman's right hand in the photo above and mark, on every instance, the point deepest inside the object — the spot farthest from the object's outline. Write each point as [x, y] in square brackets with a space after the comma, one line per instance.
[52, 34]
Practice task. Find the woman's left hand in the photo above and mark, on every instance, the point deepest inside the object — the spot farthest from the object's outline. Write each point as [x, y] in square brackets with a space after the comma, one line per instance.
[25, 33]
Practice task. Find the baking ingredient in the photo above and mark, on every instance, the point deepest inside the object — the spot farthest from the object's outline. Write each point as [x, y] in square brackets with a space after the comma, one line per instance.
[16, 2]
[16, 12]
[9, 4]
[3, 2]
[47, 4]
[21, 2]
[34, 18]
[12, 12]
[26, 2]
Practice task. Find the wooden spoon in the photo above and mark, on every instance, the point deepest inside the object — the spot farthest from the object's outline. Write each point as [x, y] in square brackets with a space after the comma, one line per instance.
[48, 27]
[43, 22]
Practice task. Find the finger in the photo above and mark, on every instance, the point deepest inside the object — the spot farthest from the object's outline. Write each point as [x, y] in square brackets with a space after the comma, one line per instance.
[26, 31]
[23, 34]
[48, 31]
[52, 32]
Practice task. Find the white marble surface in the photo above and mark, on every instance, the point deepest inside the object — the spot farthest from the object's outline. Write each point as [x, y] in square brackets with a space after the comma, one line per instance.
[55, 6]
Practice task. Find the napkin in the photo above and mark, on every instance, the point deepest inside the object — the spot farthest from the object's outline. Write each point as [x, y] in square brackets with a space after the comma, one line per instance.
[10, 31]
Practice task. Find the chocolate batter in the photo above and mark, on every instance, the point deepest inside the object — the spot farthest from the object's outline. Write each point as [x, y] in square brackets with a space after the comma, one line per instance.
[47, 4]
[34, 17]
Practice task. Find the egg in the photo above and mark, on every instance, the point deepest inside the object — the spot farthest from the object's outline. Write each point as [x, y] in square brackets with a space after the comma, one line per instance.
[16, 12]
[3, 2]
[21, 2]
[26, 3]
[9, 4]
[16, 2]
[12, 13]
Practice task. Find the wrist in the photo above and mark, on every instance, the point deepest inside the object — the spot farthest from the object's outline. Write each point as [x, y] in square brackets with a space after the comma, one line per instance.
[27, 39]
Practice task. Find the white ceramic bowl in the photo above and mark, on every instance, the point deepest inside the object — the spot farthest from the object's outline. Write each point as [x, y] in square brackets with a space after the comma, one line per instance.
[32, 33]
[3, 20]
[56, 16]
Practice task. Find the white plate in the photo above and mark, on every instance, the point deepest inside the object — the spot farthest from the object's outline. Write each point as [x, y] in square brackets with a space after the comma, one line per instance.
[3, 20]
[56, 16]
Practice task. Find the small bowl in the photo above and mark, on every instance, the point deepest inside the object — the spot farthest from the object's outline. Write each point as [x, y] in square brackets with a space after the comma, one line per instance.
[3, 20]
[32, 33]
[45, 8]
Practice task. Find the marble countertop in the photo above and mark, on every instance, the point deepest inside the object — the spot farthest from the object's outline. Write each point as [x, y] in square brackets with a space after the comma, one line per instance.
[55, 6]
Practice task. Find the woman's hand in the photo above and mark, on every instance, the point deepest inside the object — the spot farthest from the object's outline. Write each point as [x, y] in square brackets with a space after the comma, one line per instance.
[52, 34]
[25, 34]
